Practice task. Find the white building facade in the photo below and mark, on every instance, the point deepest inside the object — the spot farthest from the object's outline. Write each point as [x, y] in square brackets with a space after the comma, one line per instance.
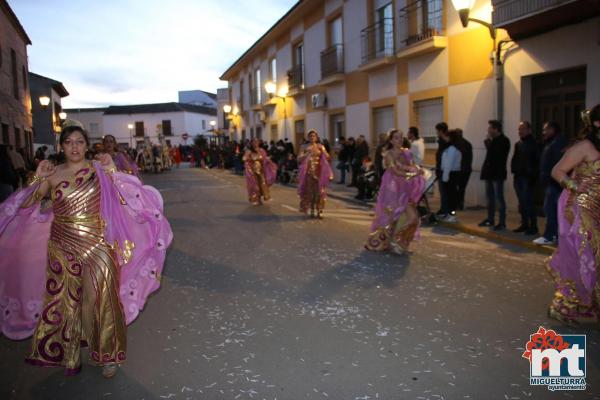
[138, 123]
[356, 67]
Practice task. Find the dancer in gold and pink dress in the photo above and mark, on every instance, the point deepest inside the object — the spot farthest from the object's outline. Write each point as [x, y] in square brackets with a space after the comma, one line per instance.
[396, 222]
[102, 238]
[574, 265]
[314, 176]
[260, 173]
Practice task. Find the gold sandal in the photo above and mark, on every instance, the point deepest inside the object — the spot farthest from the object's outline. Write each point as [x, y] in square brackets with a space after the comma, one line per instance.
[109, 370]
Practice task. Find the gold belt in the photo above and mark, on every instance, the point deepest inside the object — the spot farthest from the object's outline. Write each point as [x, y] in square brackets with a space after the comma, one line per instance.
[78, 219]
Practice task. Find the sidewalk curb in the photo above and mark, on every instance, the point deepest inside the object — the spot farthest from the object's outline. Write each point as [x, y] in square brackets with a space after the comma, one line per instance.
[547, 250]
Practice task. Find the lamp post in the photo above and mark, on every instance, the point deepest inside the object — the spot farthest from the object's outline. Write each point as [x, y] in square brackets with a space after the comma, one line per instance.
[130, 127]
[226, 117]
[464, 9]
[271, 89]
[214, 132]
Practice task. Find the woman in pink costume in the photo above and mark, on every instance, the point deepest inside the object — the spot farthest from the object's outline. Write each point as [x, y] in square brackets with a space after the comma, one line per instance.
[314, 176]
[396, 221]
[122, 161]
[574, 265]
[103, 239]
[260, 173]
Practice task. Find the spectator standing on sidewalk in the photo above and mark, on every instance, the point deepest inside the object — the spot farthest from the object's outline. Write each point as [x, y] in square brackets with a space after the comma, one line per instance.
[451, 173]
[554, 147]
[366, 180]
[289, 146]
[417, 145]
[466, 166]
[525, 166]
[360, 152]
[442, 131]
[342, 164]
[351, 144]
[378, 161]
[7, 174]
[494, 174]
[18, 164]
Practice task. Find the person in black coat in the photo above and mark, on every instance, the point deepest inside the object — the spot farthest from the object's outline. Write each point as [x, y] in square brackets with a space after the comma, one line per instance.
[342, 164]
[379, 169]
[442, 132]
[524, 166]
[360, 152]
[8, 177]
[494, 173]
[554, 147]
[466, 166]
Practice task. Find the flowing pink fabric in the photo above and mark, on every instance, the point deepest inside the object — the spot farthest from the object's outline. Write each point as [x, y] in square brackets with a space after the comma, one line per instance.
[325, 177]
[269, 168]
[395, 193]
[572, 261]
[24, 236]
[124, 163]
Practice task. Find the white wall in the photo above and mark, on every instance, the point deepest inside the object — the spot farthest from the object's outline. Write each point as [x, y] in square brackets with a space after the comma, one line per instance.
[336, 96]
[355, 19]
[428, 71]
[87, 118]
[358, 120]
[571, 46]
[470, 107]
[314, 43]
[332, 5]
[181, 122]
[316, 120]
[382, 83]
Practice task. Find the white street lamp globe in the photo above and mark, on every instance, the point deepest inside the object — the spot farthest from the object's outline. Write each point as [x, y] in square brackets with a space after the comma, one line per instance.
[270, 87]
[129, 126]
[44, 101]
[463, 4]
[227, 108]
[62, 115]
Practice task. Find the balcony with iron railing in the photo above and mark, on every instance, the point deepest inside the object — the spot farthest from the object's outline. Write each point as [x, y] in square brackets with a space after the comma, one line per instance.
[421, 28]
[332, 63]
[377, 41]
[531, 17]
[296, 79]
[509, 10]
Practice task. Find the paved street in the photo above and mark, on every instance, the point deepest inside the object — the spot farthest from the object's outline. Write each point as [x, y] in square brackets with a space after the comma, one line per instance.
[264, 303]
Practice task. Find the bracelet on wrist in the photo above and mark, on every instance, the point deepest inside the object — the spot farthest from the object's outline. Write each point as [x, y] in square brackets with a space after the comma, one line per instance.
[35, 179]
[569, 184]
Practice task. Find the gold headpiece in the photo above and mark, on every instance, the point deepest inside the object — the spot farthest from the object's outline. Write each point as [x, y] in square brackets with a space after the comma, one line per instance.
[71, 122]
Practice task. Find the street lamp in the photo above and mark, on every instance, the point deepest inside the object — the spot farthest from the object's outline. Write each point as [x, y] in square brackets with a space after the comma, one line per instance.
[44, 101]
[271, 89]
[130, 127]
[226, 108]
[464, 8]
[62, 115]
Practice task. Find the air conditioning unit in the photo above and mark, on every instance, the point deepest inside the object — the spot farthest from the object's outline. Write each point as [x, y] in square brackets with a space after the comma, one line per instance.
[319, 100]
